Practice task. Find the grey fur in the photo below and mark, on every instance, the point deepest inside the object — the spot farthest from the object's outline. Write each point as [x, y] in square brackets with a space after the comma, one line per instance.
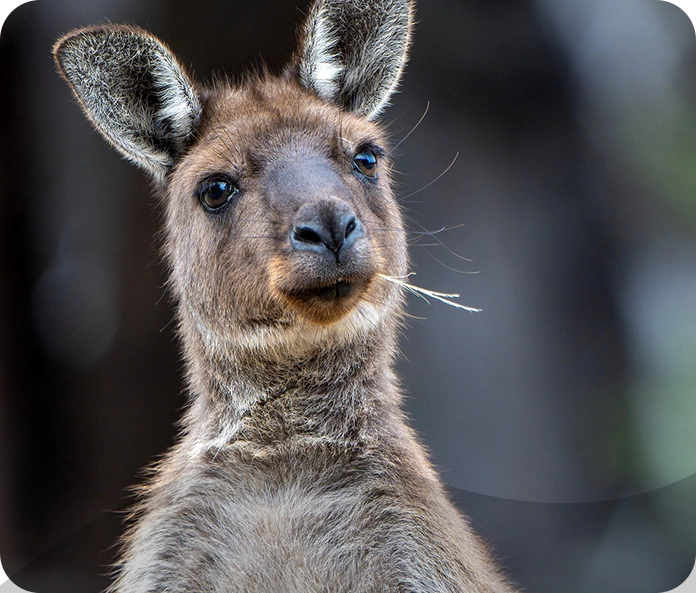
[295, 471]
[354, 52]
[134, 91]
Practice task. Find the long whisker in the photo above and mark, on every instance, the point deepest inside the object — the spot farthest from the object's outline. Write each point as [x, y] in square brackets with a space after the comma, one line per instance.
[444, 265]
[442, 230]
[413, 129]
[388, 229]
[441, 244]
[415, 243]
[456, 156]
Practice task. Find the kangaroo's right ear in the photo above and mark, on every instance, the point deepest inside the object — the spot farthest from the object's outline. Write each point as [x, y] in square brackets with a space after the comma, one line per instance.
[133, 90]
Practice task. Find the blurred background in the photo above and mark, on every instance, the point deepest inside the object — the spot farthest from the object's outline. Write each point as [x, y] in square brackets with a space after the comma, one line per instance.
[563, 416]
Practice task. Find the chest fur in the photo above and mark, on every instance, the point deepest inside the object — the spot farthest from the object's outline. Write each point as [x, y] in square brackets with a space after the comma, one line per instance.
[228, 529]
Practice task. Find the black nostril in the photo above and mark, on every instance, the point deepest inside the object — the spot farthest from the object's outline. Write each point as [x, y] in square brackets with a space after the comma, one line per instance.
[350, 227]
[307, 234]
[326, 225]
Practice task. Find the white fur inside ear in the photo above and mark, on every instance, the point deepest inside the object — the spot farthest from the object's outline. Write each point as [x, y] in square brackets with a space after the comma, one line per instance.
[133, 90]
[180, 105]
[322, 68]
[353, 52]
[325, 79]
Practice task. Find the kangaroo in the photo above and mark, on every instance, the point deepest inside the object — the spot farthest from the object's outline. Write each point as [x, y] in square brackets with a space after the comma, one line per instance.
[295, 470]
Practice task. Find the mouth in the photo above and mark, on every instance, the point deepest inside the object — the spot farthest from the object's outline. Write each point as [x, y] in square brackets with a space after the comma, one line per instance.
[341, 289]
[321, 296]
[325, 304]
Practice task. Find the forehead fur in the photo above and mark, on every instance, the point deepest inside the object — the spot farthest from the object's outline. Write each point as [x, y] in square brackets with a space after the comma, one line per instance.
[260, 115]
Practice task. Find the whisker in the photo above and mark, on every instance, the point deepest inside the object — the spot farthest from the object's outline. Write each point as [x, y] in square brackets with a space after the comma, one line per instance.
[444, 265]
[452, 252]
[382, 229]
[442, 230]
[258, 221]
[387, 229]
[456, 156]
[440, 243]
[413, 129]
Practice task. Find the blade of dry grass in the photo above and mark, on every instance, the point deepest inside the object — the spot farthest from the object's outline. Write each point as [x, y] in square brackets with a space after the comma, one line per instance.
[424, 293]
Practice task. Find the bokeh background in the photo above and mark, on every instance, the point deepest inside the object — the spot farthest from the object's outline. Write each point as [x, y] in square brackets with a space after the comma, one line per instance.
[563, 416]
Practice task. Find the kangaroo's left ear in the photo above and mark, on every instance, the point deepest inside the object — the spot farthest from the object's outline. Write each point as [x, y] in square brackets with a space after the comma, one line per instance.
[352, 52]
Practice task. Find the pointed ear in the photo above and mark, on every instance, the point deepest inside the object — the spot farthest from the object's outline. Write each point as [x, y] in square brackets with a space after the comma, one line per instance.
[133, 90]
[352, 52]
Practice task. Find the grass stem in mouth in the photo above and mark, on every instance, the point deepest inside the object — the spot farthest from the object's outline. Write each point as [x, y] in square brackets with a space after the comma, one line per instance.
[424, 292]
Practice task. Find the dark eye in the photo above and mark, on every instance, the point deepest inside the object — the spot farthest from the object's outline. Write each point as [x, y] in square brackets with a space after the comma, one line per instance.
[215, 194]
[365, 162]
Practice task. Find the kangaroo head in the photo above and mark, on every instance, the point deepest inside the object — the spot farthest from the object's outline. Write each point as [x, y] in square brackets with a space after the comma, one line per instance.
[279, 212]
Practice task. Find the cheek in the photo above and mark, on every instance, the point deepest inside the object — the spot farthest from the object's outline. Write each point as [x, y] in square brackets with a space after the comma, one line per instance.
[385, 227]
[194, 251]
[220, 270]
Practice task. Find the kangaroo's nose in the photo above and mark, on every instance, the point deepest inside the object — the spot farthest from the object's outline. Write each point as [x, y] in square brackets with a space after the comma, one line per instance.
[325, 225]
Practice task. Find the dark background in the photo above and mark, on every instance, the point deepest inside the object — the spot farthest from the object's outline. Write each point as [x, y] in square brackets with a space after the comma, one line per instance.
[563, 416]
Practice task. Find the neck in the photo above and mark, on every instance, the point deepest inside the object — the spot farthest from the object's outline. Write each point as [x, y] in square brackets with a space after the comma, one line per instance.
[331, 390]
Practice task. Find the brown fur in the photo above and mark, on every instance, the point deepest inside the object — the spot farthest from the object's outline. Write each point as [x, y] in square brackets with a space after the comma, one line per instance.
[295, 470]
